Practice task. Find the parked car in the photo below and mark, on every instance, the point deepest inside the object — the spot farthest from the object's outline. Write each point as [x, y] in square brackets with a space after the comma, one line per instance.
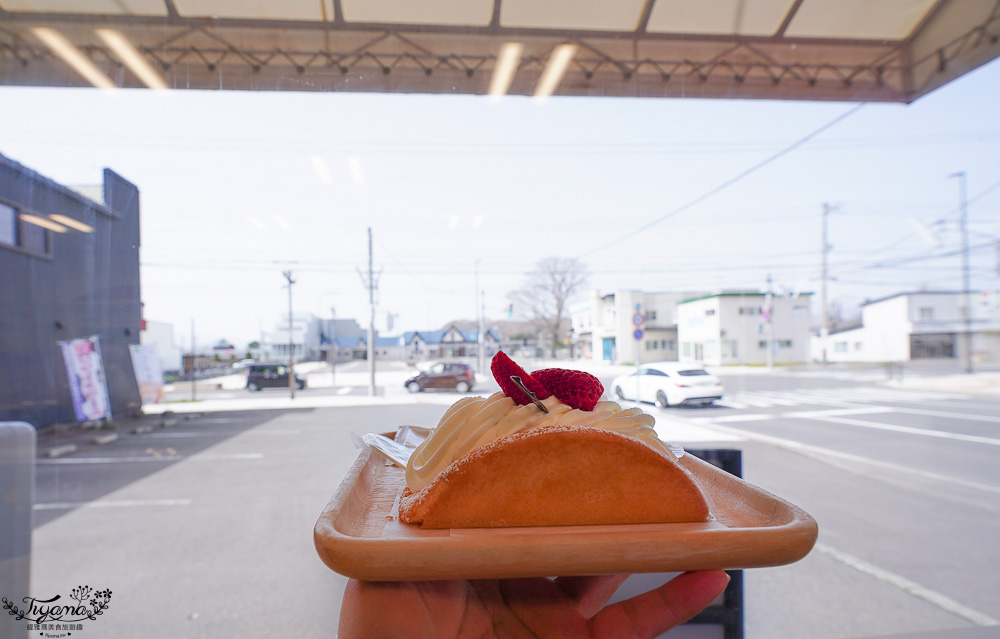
[668, 384]
[260, 376]
[448, 375]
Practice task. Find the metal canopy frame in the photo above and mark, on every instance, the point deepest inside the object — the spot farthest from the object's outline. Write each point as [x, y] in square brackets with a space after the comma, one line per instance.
[952, 38]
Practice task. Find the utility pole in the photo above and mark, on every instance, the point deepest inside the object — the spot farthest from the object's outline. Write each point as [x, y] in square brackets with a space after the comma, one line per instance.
[333, 344]
[480, 311]
[194, 359]
[370, 283]
[768, 304]
[966, 301]
[291, 338]
[824, 330]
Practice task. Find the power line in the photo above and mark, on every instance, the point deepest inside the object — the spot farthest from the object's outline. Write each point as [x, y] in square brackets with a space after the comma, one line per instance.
[701, 198]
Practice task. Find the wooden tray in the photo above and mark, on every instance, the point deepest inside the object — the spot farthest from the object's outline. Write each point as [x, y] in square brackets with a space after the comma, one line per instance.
[359, 535]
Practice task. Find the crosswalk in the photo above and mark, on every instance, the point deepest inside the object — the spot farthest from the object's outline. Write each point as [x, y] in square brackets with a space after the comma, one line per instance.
[872, 375]
[832, 396]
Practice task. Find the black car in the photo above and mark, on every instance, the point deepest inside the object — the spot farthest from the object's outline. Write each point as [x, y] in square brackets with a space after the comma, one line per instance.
[260, 376]
[446, 375]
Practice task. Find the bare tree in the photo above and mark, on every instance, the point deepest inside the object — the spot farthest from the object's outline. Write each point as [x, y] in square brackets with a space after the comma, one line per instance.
[546, 293]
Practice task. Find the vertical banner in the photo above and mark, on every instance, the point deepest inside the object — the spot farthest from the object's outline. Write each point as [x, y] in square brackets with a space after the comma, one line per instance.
[148, 372]
[87, 383]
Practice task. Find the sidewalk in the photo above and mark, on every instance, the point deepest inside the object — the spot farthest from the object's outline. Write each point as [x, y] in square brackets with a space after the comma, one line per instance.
[986, 383]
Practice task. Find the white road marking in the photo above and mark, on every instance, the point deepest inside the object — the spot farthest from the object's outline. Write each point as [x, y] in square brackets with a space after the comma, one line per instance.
[910, 587]
[345, 390]
[823, 454]
[729, 404]
[176, 435]
[745, 417]
[924, 432]
[834, 396]
[837, 412]
[117, 503]
[939, 413]
[148, 458]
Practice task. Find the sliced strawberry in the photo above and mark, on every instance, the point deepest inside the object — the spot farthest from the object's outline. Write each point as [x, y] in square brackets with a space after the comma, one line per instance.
[573, 388]
[504, 368]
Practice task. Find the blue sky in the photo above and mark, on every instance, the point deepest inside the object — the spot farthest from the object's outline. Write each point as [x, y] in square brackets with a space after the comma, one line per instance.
[237, 187]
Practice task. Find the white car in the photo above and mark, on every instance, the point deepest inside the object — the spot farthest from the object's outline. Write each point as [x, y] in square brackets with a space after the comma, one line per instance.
[668, 384]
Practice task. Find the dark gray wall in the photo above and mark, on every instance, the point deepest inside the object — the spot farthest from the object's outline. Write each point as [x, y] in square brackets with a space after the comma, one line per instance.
[87, 284]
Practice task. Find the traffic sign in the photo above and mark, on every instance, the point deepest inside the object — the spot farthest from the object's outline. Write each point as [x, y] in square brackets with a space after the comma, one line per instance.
[637, 334]
[638, 319]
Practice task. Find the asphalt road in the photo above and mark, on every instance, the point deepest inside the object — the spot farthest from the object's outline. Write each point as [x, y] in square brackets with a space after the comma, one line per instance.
[203, 529]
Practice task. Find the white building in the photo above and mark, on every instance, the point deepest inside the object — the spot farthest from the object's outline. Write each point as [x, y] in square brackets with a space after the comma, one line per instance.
[160, 335]
[921, 325]
[303, 338]
[734, 328]
[604, 326]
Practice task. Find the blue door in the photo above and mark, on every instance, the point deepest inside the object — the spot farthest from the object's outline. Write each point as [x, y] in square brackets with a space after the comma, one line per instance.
[609, 349]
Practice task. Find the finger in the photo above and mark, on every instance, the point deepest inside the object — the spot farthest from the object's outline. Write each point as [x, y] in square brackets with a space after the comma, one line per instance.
[657, 611]
[590, 593]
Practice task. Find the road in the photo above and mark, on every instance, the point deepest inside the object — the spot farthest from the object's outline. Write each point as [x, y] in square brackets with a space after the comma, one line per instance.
[203, 528]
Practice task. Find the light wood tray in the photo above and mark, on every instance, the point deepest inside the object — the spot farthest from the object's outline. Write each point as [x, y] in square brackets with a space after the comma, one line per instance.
[359, 535]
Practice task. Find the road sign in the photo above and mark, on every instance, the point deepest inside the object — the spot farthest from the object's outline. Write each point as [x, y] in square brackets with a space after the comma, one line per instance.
[637, 334]
[638, 319]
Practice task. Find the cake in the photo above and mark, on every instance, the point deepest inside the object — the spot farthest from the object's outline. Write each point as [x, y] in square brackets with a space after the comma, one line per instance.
[546, 451]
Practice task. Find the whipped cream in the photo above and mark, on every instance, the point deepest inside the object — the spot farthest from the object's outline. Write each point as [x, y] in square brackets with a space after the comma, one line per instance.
[474, 421]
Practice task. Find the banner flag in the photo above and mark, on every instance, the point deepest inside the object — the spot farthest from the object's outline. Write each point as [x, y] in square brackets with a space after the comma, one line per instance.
[87, 383]
[148, 372]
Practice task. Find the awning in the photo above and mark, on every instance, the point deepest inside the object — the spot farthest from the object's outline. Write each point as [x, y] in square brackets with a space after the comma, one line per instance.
[853, 50]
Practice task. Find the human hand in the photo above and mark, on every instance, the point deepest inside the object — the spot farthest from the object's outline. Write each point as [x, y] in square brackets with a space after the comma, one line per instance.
[510, 608]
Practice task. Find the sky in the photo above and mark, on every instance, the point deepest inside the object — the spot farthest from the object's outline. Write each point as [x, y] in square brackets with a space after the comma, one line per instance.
[463, 194]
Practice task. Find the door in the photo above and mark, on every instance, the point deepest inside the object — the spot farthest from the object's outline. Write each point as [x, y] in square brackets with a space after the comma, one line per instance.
[608, 349]
[278, 377]
[435, 377]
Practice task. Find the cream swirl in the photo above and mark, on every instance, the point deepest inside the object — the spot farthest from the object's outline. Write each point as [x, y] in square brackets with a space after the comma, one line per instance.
[474, 421]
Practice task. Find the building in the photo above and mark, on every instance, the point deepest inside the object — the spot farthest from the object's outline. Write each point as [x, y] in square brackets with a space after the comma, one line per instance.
[70, 269]
[735, 328]
[312, 339]
[918, 325]
[451, 342]
[160, 335]
[604, 326]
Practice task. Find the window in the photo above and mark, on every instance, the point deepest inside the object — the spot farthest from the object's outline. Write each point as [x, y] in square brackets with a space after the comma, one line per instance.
[17, 232]
[709, 312]
[748, 310]
[926, 312]
[650, 316]
[729, 349]
[8, 225]
[687, 349]
[840, 347]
